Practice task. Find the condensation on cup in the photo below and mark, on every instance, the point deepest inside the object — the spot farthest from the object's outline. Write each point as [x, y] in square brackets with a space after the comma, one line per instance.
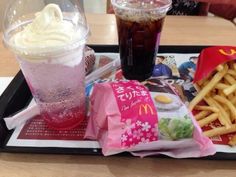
[48, 41]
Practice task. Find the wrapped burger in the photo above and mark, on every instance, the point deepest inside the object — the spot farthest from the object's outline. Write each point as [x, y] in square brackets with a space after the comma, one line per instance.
[149, 119]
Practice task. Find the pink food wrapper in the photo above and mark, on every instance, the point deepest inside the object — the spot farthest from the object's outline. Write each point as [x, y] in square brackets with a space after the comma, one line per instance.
[126, 118]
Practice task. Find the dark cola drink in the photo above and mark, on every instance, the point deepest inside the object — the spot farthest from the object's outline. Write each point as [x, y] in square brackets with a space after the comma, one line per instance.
[139, 25]
[138, 41]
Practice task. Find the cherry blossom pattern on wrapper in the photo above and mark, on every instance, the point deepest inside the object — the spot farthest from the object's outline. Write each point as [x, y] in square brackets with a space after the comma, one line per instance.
[134, 100]
[138, 133]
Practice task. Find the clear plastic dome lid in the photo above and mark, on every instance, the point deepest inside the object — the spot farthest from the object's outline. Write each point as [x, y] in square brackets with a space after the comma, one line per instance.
[41, 27]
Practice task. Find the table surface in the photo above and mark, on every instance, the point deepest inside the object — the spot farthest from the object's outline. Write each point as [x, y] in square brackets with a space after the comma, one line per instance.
[178, 30]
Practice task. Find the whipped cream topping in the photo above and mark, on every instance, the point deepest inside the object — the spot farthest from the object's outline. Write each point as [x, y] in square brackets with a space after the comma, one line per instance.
[47, 32]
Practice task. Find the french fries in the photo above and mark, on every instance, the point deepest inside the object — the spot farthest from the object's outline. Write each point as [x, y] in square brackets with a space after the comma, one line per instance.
[220, 131]
[208, 119]
[232, 141]
[218, 91]
[228, 103]
[206, 108]
[201, 115]
[223, 115]
[232, 72]
[206, 89]
[227, 91]
[222, 86]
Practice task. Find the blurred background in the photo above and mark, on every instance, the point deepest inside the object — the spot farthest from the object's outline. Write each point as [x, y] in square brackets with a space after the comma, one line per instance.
[103, 6]
[91, 6]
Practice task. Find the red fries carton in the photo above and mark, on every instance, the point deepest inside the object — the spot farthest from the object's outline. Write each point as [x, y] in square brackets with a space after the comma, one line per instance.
[211, 57]
[222, 98]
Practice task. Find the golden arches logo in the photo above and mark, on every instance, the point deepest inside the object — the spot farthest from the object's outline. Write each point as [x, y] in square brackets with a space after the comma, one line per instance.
[145, 109]
[232, 52]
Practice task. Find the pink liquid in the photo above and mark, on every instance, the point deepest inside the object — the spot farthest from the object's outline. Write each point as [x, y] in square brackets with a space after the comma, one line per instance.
[58, 88]
[60, 119]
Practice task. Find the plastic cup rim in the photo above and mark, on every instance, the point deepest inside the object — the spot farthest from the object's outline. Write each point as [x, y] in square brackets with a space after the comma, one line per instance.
[164, 7]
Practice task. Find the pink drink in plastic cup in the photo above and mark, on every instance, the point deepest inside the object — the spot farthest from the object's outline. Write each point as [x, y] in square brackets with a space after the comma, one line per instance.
[58, 88]
[49, 44]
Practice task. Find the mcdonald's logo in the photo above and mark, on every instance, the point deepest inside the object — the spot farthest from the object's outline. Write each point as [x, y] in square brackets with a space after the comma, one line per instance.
[232, 52]
[145, 109]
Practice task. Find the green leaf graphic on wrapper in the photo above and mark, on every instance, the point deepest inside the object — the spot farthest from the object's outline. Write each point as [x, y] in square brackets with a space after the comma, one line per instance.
[177, 128]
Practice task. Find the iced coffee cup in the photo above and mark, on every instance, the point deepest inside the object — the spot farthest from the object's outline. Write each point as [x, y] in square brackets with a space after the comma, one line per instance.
[139, 25]
[48, 41]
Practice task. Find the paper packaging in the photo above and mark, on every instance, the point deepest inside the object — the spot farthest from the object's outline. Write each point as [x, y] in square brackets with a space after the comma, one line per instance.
[126, 117]
[210, 58]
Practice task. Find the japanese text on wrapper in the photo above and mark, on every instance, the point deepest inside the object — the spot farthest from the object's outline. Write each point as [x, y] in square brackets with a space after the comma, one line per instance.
[129, 92]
